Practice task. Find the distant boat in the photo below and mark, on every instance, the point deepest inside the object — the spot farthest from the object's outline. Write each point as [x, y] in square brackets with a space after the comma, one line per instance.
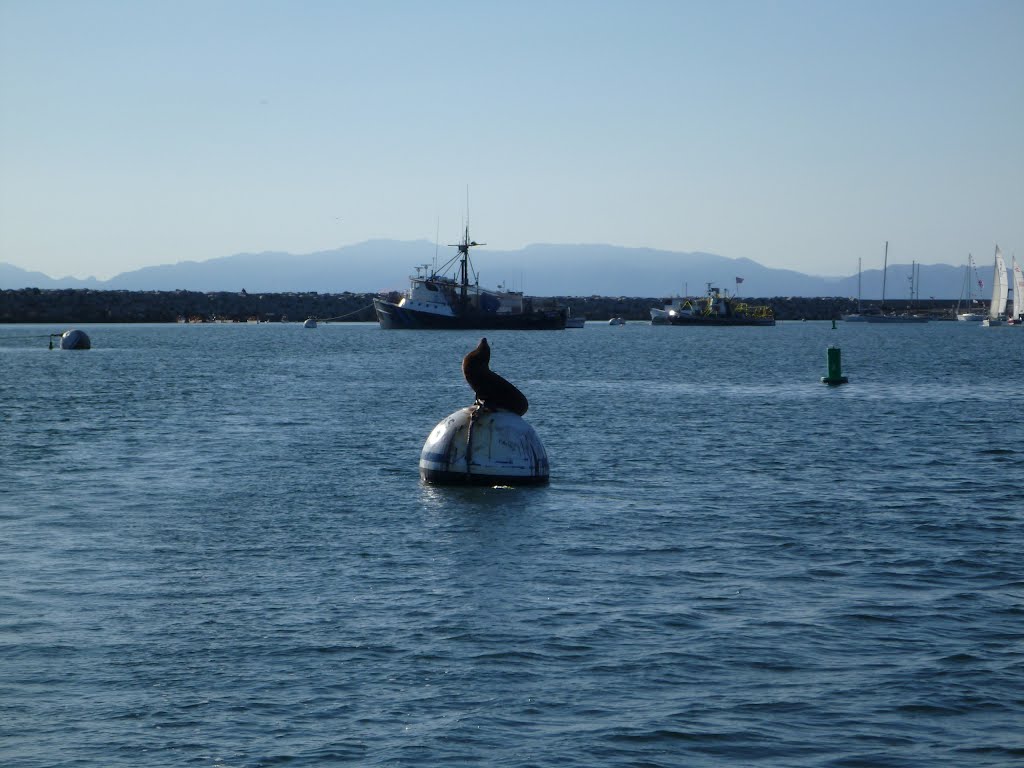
[438, 300]
[678, 305]
[617, 321]
[574, 321]
[1018, 295]
[716, 308]
[858, 316]
[1000, 289]
[310, 322]
[892, 317]
[970, 316]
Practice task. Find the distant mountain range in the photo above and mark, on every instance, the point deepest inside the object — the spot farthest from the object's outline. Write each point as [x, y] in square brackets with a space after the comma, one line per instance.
[539, 270]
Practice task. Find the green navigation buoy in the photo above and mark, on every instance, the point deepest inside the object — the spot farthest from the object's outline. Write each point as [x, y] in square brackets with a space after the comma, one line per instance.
[835, 368]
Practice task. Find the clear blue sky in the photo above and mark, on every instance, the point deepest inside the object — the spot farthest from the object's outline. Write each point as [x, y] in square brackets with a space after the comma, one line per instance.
[799, 134]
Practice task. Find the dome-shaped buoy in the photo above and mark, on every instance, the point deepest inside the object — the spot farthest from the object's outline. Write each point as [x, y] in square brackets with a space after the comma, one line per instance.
[479, 446]
[310, 322]
[488, 443]
[75, 339]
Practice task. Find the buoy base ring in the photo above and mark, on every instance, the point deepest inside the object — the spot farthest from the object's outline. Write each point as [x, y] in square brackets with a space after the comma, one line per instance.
[834, 382]
[442, 477]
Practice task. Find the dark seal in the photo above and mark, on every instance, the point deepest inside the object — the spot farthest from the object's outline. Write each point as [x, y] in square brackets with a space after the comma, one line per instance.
[491, 390]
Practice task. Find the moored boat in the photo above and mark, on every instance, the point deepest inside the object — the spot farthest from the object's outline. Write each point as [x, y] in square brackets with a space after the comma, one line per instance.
[715, 308]
[1000, 293]
[1018, 295]
[447, 299]
[969, 315]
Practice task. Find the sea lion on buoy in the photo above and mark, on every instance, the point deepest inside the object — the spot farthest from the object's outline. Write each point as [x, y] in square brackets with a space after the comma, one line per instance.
[492, 391]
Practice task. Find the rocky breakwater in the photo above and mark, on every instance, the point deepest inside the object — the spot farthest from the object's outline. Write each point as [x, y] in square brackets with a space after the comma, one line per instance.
[34, 305]
[598, 308]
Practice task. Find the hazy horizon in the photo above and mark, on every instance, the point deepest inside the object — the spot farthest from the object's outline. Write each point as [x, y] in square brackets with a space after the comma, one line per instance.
[800, 135]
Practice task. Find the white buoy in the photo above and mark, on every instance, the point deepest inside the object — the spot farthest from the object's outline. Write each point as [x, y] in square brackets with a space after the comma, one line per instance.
[479, 446]
[75, 339]
[310, 323]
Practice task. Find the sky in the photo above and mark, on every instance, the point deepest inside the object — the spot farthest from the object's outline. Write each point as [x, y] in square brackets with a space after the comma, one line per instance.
[802, 135]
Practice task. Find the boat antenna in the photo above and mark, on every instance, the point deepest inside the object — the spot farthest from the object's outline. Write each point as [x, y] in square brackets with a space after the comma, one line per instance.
[437, 238]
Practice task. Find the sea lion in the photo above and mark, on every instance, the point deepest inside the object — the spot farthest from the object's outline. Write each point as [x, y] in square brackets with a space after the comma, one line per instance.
[492, 391]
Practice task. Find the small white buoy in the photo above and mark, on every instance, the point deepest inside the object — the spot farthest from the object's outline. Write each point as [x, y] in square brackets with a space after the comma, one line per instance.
[480, 446]
[75, 339]
[310, 322]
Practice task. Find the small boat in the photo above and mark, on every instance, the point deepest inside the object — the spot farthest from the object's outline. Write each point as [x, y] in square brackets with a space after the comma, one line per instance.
[616, 321]
[310, 322]
[447, 298]
[1000, 291]
[574, 321]
[716, 308]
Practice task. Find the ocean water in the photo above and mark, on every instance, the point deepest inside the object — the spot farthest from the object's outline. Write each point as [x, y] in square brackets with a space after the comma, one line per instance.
[215, 550]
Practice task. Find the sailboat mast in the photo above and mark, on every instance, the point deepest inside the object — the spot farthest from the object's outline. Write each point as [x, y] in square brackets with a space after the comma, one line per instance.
[885, 271]
[858, 285]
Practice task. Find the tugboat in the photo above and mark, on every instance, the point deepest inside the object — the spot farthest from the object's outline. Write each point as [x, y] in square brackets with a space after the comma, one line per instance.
[439, 300]
[716, 308]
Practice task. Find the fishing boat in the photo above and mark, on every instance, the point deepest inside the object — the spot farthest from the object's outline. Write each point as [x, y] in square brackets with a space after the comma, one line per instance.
[450, 297]
[1000, 290]
[893, 317]
[715, 308]
[969, 316]
[660, 315]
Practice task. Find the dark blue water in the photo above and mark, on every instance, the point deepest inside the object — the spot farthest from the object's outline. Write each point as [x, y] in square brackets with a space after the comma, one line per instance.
[215, 550]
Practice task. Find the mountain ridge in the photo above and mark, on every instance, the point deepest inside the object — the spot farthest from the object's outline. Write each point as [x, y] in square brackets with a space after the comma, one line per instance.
[539, 269]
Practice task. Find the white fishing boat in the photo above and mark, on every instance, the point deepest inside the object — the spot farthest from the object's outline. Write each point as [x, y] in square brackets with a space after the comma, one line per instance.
[1000, 291]
[970, 315]
[451, 298]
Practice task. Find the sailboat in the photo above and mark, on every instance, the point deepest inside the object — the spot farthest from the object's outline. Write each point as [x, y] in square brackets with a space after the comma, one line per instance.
[1000, 289]
[891, 317]
[1018, 295]
[860, 316]
[970, 315]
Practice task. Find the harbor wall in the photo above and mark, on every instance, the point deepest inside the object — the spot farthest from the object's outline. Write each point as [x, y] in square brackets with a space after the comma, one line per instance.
[35, 305]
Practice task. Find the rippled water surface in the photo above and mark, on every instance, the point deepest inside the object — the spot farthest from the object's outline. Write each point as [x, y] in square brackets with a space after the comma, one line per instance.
[215, 550]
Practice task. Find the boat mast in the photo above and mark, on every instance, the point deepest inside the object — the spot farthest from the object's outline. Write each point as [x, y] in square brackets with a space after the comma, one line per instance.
[858, 285]
[885, 270]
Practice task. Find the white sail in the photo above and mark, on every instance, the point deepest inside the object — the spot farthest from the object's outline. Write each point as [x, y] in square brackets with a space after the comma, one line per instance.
[1018, 289]
[1000, 288]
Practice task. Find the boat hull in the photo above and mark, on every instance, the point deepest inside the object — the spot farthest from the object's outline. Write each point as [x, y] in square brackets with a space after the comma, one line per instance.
[897, 319]
[393, 317]
[719, 320]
